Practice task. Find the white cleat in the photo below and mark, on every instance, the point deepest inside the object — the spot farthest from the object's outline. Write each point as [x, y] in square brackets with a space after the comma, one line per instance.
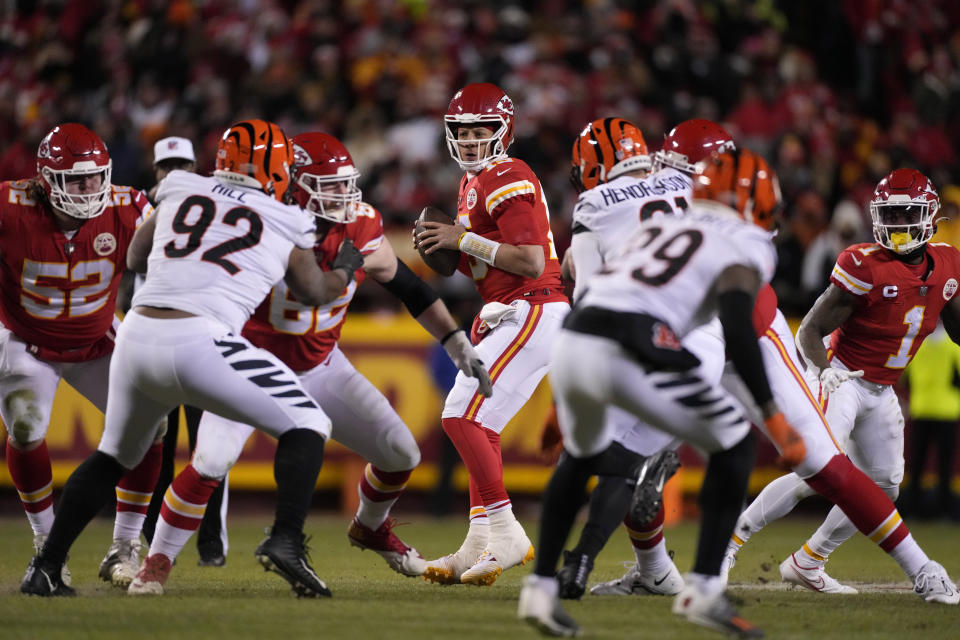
[543, 611]
[121, 564]
[636, 583]
[729, 559]
[400, 556]
[813, 578]
[502, 553]
[934, 585]
[449, 568]
[38, 542]
[712, 611]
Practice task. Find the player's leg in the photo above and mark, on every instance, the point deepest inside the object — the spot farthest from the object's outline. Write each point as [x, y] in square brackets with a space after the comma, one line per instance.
[517, 353]
[364, 421]
[134, 491]
[219, 444]
[166, 473]
[212, 534]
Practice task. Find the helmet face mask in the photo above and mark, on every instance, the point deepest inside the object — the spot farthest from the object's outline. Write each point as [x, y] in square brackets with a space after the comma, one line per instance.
[479, 105]
[75, 169]
[904, 208]
[605, 149]
[257, 154]
[691, 144]
[326, 178]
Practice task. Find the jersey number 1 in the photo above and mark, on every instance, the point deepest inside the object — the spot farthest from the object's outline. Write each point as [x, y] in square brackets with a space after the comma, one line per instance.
[914, 320]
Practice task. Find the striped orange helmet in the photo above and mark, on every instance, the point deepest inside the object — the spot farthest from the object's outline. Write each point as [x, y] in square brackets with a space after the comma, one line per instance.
[744, 181]
[255, 153]
[605, 149]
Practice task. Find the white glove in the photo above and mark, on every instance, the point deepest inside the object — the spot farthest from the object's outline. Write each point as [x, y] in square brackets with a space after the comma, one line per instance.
[831, 379]
[467, 359]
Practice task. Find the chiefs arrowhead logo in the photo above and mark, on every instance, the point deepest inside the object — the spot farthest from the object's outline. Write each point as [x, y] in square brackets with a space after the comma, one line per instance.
[300, 156]
[664, 338]
[505, 105]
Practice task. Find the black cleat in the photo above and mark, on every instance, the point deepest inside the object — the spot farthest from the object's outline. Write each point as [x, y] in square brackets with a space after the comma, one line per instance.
[572, 577]
[648, 493]
[286, 555]
[43, 581]
[212, 561]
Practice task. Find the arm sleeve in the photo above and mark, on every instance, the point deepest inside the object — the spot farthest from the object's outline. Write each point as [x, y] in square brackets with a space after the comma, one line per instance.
[587, 260]
[415, 294]
[735, 309]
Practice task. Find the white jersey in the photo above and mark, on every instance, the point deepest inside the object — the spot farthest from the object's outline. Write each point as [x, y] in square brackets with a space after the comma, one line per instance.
[668, 267]
[218, 249]
[612, 211]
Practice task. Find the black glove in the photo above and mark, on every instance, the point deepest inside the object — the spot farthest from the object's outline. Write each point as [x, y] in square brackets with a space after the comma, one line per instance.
[349, 259]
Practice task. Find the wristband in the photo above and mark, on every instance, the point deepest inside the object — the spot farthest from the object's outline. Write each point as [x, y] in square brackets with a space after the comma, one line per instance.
[449, 335]
[478, 247]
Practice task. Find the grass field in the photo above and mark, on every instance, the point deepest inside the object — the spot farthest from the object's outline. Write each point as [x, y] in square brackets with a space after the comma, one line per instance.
[371, 602]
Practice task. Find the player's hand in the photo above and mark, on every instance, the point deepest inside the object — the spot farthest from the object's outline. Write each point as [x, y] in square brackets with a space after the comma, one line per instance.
[467, 359]
[436, 235]
[831, 378]
[348, 258]
[787, 440]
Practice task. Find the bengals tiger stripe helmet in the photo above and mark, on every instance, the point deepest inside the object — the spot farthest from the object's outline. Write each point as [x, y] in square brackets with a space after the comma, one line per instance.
[744, 181]
[690, 144]
[255, 153]
[605, 149]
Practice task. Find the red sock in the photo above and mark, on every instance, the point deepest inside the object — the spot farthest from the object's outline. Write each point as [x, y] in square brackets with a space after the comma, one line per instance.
[32, 476]
[135, 489]
[186, 499]
[861, 500]
[380, 486]
[480, 450]
[648, 536]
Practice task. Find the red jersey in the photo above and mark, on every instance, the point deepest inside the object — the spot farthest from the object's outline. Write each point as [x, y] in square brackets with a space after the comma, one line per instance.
[764, 309]
[900, 304]
[303, 336]
[59, 293]
[505, 203]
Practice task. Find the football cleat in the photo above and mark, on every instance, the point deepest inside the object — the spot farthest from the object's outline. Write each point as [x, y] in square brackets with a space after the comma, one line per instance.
[713, 611]
[572, 577]
[636, 583]
[449, 568]
[934, 585]
[286, 555]
[121, 564]
[813, 578]
[502, 553]
[538, 608]
[729, 559]
[648, 492]
[401, 557]
[44, 581]
[38, 542]
[151, 577]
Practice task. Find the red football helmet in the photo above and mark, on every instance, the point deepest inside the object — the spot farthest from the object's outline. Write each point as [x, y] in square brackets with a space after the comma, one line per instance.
[480, 103]
[692, 142]
[71, 153]
[326, 179]
[904, 208]
[605, 149]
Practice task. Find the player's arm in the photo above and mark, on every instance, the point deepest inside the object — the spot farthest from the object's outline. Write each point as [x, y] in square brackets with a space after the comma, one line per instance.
[585, 254]
[831, 310]
[736, 290]
[313, 286]
[428, 309]
[526, 259]
[140, 245]
[950, 316]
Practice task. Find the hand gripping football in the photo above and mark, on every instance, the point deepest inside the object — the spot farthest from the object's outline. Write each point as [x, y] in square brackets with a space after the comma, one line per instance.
[443, 261]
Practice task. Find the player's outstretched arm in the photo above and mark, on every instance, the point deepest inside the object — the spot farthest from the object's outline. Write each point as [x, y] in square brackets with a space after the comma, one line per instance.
[831, 310]
[140, 245]
[313, 286]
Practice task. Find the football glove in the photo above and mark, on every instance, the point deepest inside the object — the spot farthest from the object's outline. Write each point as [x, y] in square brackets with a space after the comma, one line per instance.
[349, 259]
[467, 359]
[831, 378]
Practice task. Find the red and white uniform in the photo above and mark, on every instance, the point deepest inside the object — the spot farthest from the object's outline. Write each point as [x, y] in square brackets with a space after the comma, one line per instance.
[505, 202]
[58, 294]
[305, 339]
[900, 307]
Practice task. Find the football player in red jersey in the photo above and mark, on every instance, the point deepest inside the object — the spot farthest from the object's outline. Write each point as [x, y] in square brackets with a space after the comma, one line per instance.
[63, 245]
[305, 338]
[503, 232]
[883, 300]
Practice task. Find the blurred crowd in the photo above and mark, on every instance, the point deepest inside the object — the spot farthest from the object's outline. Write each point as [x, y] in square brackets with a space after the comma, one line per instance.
[835, 93]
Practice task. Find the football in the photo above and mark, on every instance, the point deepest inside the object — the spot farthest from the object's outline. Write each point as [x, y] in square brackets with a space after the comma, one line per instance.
[443, 261]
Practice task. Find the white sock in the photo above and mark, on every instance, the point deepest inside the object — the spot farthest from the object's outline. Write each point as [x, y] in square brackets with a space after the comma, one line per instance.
[41, 522]
[127, 525]
[655, 560]
[168, 539]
